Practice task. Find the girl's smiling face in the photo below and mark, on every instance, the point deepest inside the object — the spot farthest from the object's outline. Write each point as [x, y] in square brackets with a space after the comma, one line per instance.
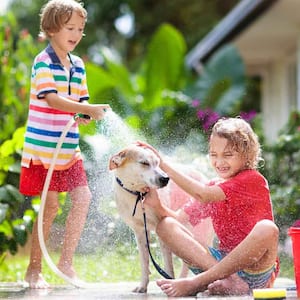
[226, 161]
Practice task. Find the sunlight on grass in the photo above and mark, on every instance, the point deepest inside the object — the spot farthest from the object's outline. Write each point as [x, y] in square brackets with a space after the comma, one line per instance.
[111, 265]
[108, 266]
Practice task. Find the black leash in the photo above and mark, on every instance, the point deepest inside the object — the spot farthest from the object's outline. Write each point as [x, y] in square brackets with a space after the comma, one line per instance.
[157, 267]
[140, 197]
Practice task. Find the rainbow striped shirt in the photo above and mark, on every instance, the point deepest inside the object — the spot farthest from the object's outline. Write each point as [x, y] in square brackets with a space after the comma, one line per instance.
[45, 124]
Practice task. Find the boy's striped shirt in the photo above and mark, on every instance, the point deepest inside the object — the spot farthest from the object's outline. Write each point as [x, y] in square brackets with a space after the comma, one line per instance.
[45, 124]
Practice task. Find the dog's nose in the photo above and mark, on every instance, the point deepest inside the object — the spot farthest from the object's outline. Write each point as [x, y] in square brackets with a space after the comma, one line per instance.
[163, 181]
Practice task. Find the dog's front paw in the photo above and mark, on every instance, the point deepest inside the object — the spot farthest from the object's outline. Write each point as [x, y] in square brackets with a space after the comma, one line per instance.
[140, 290]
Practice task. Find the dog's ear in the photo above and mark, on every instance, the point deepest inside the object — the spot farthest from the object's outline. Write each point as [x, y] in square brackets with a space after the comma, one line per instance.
[117, 160]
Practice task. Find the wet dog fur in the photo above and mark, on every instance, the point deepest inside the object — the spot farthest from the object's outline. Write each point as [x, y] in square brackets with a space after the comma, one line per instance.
[137, 168]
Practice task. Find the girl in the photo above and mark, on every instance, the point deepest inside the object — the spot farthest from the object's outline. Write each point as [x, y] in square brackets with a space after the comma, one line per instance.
[58, 91]
[239, 205]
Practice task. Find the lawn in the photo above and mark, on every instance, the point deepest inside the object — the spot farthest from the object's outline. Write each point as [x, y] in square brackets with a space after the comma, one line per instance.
[112, 265]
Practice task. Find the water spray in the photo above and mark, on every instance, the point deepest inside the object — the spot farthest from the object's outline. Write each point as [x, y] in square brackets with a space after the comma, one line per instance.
[118, 132]
[76, 282]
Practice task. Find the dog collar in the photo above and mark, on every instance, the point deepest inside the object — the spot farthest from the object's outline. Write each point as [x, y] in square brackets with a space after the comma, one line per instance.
[139, 195]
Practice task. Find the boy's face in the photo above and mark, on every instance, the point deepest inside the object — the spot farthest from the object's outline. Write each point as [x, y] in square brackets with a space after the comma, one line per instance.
[70, 35]
[225, 160]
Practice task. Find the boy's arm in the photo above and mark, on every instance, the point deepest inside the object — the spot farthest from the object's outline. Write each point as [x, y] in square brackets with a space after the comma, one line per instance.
[95, 111]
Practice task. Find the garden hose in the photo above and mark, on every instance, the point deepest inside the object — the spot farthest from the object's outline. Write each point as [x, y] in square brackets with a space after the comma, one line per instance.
[76, 282]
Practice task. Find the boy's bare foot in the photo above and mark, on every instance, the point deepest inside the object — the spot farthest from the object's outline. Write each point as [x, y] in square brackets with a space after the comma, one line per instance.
[67, 269]
[36, 280]
[228, 286]
[179, 287]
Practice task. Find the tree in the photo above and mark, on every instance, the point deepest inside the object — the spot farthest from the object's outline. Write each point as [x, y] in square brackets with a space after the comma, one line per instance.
[156, 98]
[159, 97]
[193, 18]
[17, 50]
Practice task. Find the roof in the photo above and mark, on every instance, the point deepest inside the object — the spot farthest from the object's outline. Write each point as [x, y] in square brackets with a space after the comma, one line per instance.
[242, 15]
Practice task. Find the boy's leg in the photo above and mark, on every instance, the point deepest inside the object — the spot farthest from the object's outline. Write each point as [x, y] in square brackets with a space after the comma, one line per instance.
[33, 275]
[80, 198]
[257, 252]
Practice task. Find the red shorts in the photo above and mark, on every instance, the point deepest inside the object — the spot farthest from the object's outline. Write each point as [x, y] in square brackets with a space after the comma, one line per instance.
[32, 179]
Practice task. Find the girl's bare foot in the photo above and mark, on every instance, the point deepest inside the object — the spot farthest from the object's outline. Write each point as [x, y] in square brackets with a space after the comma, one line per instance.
[179, 287]
[228, 286]
[36, 280]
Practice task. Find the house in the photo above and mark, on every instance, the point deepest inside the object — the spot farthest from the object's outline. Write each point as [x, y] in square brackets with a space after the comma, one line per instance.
[267, 35]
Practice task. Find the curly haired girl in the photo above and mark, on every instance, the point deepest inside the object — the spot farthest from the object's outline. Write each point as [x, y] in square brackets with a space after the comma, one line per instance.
[239, 204]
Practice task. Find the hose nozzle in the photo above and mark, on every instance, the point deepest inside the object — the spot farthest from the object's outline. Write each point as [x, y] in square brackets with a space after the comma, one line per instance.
[83, 116]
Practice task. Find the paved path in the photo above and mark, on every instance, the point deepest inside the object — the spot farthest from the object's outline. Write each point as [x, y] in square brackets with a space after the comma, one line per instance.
[108, 291]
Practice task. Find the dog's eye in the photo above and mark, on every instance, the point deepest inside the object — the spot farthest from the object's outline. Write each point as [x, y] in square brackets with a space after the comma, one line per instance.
[144, 163]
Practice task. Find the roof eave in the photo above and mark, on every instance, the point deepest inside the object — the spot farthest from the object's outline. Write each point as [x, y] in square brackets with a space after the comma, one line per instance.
[235, 22]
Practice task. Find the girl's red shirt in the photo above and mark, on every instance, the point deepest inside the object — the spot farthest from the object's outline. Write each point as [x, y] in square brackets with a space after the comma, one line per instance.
[247, 202]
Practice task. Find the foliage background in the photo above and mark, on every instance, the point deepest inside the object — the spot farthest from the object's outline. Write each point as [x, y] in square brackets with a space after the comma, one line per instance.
[193, 19]
[143, 77]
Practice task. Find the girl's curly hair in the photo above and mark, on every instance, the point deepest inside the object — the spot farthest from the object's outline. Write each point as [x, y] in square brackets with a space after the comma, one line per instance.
[241, 138]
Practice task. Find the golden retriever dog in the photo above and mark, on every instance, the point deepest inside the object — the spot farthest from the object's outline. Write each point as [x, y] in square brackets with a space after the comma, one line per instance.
[136, 168]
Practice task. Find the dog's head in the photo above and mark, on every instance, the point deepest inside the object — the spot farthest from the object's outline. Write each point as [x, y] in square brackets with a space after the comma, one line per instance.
[138, 167]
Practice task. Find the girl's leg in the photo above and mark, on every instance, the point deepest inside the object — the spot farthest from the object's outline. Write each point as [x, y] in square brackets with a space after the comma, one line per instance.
[33, 275]
[175, 235]
[182, 243]
[257, 252]
[80, 198]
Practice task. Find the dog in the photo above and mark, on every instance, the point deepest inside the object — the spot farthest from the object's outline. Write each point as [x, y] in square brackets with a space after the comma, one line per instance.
[136, 168]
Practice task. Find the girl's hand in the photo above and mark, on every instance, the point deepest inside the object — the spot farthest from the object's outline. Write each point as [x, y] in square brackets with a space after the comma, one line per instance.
[144, 144]
[152, 200]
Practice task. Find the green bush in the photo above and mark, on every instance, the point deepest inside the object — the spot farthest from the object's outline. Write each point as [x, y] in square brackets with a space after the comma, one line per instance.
[15, 220]
[282, 169]
[17, 50]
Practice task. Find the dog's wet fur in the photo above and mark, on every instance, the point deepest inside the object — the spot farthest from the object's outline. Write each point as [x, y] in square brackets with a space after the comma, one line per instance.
[137, 168]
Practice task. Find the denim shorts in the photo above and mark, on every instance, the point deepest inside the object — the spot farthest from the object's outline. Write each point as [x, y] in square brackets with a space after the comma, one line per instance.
[254, 280]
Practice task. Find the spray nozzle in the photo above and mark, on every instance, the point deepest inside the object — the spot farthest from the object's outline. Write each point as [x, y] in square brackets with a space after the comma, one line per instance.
[83, 116]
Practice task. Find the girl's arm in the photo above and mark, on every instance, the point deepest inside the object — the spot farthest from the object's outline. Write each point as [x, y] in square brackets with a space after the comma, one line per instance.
[95, 111]
[152, 199]
[197, 189]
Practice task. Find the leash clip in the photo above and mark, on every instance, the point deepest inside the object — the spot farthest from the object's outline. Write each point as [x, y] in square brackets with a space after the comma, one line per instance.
[142, 202]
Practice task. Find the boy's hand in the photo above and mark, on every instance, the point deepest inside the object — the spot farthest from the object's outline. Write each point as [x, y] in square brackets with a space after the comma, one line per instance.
[97, 111]
[83, 121]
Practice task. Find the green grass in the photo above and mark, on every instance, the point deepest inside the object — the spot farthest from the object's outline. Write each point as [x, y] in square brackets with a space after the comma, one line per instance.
[108, 266]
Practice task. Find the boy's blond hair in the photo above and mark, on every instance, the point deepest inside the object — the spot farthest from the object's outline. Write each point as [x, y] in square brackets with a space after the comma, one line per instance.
[241, 138]
[56, 13]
